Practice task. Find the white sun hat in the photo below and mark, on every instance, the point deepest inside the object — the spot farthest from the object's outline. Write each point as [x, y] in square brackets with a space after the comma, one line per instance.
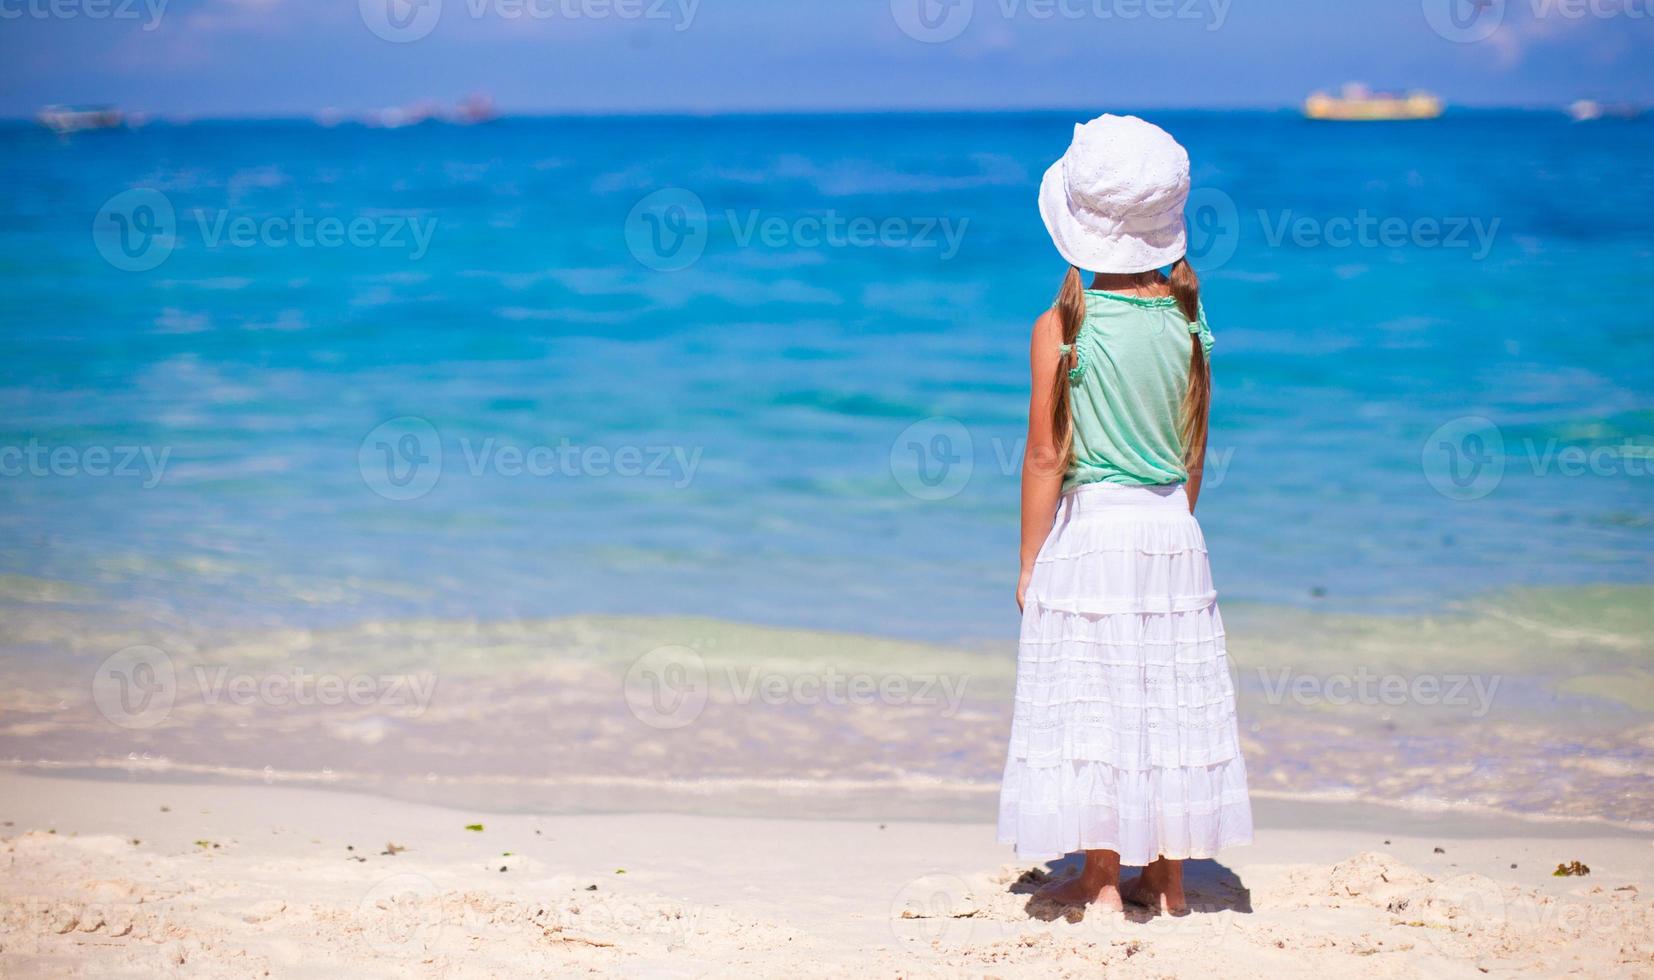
[1114, 202]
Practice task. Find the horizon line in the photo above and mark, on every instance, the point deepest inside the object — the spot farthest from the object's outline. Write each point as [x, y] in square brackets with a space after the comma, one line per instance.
[353, 116]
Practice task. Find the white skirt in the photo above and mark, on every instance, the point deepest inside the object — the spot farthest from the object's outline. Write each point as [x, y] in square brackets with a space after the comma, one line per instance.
[1123, 736]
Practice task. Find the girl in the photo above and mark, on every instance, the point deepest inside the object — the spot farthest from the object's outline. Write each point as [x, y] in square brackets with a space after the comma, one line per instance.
[1123, 739]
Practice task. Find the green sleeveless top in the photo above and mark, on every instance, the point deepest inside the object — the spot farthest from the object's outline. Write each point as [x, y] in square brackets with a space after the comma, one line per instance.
[1130, 371]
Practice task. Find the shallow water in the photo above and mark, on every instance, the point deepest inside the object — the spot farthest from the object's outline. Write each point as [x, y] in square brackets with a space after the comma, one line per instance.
[1476, 706]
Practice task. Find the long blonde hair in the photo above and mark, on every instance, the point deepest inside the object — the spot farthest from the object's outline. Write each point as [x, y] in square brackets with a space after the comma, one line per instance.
[1197, 398]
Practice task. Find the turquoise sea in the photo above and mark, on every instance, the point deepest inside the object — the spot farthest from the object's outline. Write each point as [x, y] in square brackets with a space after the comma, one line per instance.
[281, 378]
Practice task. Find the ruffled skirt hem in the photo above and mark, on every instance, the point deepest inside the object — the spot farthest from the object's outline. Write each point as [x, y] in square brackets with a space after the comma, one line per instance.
[1195, 812]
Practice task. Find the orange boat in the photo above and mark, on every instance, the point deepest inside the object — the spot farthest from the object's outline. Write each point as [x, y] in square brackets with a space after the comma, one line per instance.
[1356, 103]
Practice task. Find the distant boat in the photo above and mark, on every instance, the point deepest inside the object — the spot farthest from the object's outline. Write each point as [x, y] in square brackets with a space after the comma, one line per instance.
[1355, 103]
[412, 114]
[1589, 110]
[475, 108]
[72, 119]
[1585, 110]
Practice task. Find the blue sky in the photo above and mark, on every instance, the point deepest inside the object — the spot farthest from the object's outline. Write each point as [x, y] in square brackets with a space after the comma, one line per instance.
[279, 57]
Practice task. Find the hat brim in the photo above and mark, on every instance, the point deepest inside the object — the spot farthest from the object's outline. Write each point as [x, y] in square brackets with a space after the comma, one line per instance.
[1120, 252]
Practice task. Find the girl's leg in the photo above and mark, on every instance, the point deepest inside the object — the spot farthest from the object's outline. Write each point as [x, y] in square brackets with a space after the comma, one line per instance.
[1159, 887]
[1098, 883]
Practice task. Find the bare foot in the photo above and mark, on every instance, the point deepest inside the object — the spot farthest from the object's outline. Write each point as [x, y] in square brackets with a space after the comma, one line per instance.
[1159, 887]
[1079, 891]
[1098, 883]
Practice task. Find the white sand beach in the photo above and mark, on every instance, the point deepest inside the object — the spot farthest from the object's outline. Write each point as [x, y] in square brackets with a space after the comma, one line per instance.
[140, 878]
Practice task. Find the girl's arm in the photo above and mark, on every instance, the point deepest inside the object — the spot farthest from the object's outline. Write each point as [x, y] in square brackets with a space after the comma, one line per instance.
[1042, 468]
